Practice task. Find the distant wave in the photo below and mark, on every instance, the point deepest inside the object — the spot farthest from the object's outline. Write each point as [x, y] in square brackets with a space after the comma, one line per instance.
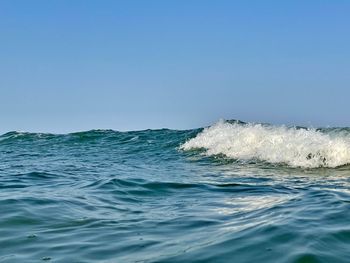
[294, 146]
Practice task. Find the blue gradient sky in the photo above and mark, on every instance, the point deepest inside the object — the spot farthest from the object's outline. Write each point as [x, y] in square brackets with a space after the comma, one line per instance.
[79, 65]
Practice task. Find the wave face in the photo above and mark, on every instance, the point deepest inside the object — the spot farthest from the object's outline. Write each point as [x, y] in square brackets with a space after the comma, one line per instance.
[297, 147]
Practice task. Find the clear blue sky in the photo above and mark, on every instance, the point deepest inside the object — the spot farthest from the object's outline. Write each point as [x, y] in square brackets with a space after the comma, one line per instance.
[79, 65]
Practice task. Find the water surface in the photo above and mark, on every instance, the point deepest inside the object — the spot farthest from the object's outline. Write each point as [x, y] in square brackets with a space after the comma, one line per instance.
[230, 193]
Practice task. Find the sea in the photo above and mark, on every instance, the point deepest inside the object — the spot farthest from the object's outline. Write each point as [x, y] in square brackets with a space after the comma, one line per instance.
[231, 192]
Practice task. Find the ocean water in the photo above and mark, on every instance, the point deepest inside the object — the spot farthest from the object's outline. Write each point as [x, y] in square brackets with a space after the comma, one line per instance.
[232, 192]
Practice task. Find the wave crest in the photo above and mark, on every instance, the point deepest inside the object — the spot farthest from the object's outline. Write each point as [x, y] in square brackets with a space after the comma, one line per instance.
[293, 146]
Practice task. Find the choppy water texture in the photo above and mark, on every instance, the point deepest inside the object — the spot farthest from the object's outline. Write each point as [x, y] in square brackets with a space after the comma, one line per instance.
[232, 192]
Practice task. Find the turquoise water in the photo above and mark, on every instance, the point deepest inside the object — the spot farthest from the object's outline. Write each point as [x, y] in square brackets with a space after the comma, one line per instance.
[176, 196]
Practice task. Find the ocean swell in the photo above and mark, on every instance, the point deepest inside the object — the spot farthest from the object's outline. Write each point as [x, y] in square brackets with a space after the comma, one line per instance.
[296, 147]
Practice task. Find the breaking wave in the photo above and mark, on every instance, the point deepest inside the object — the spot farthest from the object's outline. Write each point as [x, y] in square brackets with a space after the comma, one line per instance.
[297, 147]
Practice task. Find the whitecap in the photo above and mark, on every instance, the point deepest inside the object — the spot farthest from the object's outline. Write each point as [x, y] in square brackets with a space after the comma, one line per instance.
[309, 148]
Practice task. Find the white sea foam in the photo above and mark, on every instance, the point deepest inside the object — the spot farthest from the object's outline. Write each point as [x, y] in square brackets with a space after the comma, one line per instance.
[307, 148]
